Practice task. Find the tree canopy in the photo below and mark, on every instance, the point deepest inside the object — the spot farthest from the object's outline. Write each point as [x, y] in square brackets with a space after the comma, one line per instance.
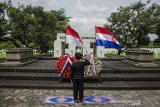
[31, 26]
[133, 23]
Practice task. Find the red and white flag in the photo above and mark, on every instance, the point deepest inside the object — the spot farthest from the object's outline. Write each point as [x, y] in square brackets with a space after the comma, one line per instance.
[73, 38]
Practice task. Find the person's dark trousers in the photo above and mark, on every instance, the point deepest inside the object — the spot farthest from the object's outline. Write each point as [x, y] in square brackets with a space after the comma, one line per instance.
[78, 87]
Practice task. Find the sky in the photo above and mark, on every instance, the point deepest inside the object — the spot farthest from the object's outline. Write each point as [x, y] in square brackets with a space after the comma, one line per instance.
[85, 13]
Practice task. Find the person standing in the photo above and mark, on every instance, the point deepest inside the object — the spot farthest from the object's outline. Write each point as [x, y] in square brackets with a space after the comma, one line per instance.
[77, 76]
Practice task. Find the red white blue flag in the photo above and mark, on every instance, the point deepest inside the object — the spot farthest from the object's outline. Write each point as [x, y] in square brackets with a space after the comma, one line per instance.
[105, 38]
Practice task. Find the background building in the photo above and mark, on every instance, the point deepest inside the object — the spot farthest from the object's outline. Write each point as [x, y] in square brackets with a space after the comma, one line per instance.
[61, 48]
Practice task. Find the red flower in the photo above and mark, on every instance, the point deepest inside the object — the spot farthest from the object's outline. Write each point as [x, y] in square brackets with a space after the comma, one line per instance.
[60, 63]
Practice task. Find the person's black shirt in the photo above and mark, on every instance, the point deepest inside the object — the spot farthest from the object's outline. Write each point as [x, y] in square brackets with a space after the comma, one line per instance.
[77, 69]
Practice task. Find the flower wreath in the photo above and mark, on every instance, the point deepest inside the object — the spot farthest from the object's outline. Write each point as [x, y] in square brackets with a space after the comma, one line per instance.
[95, 67]
[63, 65]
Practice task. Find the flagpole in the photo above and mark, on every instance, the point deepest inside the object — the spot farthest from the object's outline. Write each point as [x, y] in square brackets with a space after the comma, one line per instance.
[65, 33]
[65, 38]
[95, 50]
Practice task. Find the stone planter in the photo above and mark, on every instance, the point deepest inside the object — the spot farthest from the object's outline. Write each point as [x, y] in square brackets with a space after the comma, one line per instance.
[139, 55]
[19, 54]
[140, 58]
[18, 57]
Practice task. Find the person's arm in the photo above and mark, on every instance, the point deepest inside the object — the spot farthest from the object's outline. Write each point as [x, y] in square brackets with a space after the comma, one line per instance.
[87, 62]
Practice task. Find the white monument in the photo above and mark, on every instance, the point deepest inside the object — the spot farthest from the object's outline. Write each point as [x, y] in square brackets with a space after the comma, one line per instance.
[61, 48]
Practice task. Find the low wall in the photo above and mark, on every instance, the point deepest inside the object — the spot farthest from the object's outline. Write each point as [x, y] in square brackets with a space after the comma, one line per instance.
[19, 54]
[18, 57]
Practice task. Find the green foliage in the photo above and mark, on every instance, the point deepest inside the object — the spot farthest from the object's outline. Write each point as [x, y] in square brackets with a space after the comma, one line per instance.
[40, 54]
[115, 53]
[157, 26]
[156, 57]
[112, 53]
[6, 45]
[145, 40]
[157, 41]
[133, 23]
[32, 26]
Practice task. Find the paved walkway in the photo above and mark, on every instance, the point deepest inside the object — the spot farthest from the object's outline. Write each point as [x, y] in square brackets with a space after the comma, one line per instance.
[34, 98]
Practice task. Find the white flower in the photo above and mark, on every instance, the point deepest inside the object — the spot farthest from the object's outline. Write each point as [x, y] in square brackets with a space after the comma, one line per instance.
[94, 68]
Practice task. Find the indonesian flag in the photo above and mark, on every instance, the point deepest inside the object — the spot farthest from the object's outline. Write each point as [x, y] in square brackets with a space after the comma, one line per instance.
[73, 38]
[105, 38]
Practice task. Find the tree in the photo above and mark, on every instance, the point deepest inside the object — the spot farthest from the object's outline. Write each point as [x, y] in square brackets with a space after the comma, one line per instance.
[145, 40]
[157, 26]
[33, 26]
[3, 25]
[157, 41]
[20, 24]
[47, 25]
[133, 23]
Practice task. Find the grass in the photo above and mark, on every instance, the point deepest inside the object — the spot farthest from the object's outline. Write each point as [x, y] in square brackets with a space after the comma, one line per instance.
[123, 54]
[39, 54]
[156, 57]
[2, 56]
[115, 53]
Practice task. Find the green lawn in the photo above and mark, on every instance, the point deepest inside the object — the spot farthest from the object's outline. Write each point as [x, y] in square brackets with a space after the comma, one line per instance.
[156, 57]
[2, 56]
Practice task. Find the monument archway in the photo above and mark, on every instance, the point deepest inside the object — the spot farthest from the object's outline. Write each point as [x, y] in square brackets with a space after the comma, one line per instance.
[62, 48]
[78, 49]
[94, 49]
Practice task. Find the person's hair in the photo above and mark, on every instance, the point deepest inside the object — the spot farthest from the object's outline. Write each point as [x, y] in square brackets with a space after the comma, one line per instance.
[78, 55]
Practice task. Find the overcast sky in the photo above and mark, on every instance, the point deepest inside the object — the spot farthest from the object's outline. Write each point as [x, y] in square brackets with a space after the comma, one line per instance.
[85, 13]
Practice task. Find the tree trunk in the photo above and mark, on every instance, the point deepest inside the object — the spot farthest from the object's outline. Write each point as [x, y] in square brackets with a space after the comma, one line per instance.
[139, 38]
[23, 41]
[125, 41]
[138, 41]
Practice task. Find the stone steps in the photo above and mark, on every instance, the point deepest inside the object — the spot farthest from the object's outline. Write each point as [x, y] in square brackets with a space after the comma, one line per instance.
[104, 70]
[107, 85]
[115, 76]
[104, 76]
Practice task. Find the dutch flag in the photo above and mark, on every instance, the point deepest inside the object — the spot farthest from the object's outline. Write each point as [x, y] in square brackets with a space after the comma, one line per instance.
[105, 38]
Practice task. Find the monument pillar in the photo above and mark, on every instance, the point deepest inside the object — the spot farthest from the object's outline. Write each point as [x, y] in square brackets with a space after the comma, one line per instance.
[59, 45]
[95, 49]
[100, 51]
[63, 48]
[59, 48]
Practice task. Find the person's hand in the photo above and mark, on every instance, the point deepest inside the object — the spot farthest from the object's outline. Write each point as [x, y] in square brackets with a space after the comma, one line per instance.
[86, 60]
